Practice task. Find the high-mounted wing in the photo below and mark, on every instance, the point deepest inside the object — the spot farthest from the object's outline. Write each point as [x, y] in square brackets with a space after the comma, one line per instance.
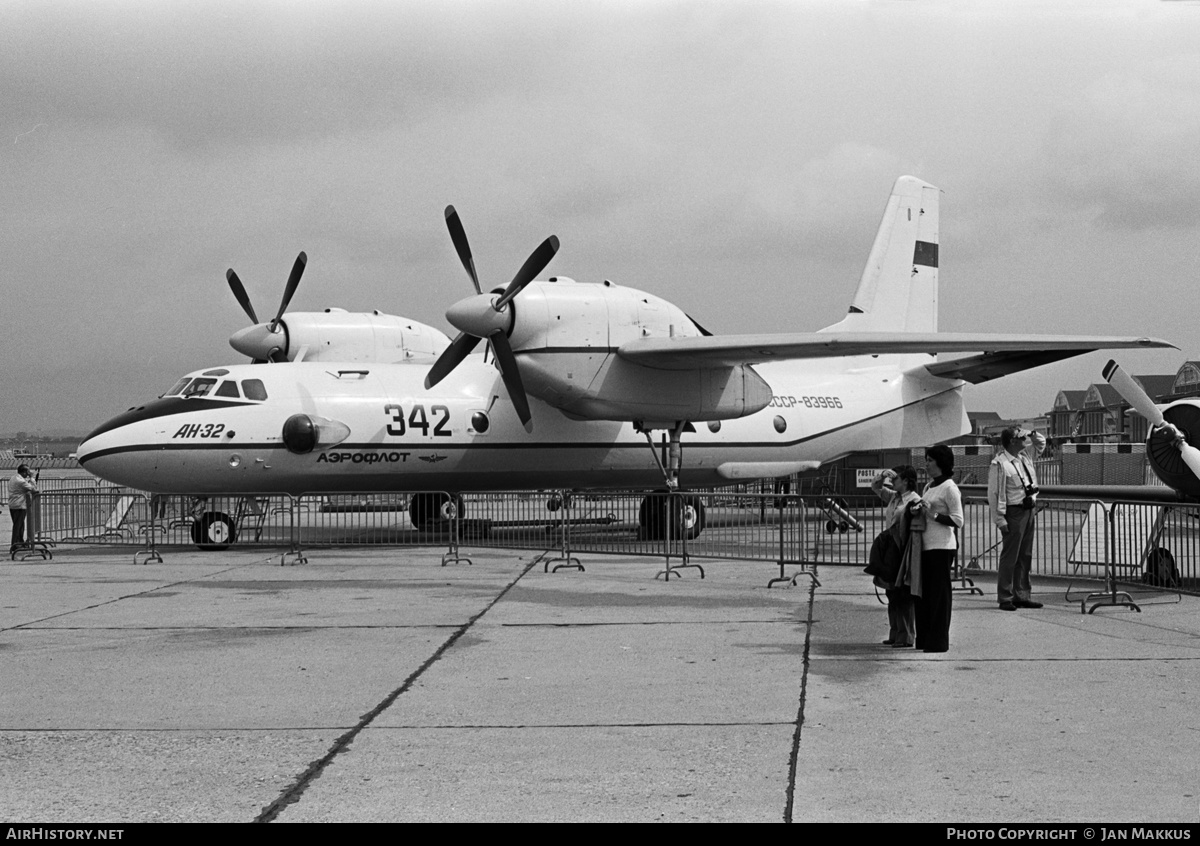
[1001, 353]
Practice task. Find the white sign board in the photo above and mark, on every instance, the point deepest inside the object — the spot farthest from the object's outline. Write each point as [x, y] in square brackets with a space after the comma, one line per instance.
[864, 478]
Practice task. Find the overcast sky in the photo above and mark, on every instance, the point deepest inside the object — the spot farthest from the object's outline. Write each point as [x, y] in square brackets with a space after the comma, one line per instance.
[732, 157]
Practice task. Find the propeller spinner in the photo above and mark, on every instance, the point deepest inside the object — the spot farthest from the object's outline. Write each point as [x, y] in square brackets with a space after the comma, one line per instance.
[489, 316]
[264, 341]
[1132, 392]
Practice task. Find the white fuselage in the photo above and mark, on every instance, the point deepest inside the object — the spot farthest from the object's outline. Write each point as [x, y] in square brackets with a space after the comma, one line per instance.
[403, 437]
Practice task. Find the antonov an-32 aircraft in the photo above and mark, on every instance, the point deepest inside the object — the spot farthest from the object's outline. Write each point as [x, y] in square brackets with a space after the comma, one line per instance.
[576, 386]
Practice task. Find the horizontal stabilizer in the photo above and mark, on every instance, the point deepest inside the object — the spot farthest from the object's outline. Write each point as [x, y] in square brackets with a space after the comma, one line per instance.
[681, 353]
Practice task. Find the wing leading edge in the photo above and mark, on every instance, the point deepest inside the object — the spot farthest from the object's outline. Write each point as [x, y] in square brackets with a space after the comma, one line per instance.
[1001, 354]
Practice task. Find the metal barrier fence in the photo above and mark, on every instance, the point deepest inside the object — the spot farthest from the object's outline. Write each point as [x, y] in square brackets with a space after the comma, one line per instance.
[679, 528]
[1127, 543]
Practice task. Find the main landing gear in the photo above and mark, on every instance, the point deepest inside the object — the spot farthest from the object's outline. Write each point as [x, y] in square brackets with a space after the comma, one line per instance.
[213, 531]
[666, 515]
[663, 516]
[427, 510]
[669, 515]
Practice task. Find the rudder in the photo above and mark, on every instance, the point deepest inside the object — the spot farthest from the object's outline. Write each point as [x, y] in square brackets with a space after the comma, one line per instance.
[898, 290]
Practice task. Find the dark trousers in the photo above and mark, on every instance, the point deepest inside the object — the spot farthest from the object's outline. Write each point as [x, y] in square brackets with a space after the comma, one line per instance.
[1016, 555]
[933, 605]
[18, 530]
[901, 615]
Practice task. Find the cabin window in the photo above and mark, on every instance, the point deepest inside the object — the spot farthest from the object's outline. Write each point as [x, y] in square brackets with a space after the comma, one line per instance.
[228, 389]
[178, 387]
[199, 387]
[254, 390]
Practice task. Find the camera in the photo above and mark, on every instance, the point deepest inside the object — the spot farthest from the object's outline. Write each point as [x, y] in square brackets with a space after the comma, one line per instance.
[1030, 492]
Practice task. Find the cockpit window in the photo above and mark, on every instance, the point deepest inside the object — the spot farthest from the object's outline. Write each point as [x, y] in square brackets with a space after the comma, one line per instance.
[178, 387]
[253, 389]
[228, 389]
[199, 387]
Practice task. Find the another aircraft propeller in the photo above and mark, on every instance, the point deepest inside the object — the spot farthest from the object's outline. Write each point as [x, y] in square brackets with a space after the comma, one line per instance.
[1133, 394]
[488, 316]
[261, 341]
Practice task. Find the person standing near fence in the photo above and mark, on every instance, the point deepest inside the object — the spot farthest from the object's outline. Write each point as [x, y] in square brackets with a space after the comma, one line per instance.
[1012, 501]
[21, 489]
[941, 504]
[898, 489]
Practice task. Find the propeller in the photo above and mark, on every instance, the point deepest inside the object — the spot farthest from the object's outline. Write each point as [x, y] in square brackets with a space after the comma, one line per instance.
[261, 342]
[1133, 394]
[487, 316]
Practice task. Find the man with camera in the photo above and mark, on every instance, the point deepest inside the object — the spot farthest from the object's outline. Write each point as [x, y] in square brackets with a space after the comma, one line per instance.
[1012, 500]
[20, 488]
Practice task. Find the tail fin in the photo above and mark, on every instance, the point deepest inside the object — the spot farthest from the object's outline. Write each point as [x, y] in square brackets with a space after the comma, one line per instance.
[899, 286]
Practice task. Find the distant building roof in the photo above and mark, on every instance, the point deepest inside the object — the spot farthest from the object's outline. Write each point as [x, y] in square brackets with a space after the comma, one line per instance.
[1102, 394]
[1157, 385]
[1069, 400]
[1187, 379]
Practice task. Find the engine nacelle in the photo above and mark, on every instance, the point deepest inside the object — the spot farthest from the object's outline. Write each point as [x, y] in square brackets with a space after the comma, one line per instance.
[566, 335]
[339, 335]
[1165, 459]
[563, 313]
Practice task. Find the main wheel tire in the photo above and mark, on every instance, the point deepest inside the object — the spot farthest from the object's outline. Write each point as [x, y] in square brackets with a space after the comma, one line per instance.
[427, 508]
[213, 531]
[691, 518]
[687, 516]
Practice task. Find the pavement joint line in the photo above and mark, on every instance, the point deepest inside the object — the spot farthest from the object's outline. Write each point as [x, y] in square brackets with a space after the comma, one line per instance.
[225, 628]
[794, 756]
[900, 654]
[540, 726]
[293, 793]
[645, 623]
[116, 599]
[412, 727]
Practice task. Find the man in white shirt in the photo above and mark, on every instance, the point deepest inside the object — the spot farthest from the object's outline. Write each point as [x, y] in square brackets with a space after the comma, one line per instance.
[1012, 501]
[20, 488]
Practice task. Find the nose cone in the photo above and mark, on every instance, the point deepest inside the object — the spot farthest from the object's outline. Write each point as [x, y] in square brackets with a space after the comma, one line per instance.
[259, 342]
[476, 316]
[124, 449]
[105, 450]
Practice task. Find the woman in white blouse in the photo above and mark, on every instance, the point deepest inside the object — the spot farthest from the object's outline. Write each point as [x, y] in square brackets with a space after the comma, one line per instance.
[941, 502]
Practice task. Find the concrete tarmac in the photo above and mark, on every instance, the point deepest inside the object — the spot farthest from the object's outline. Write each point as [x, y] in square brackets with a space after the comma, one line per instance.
[377, 685]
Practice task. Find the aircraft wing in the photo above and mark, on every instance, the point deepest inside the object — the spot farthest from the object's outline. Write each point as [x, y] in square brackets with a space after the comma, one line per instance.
[1001, 353]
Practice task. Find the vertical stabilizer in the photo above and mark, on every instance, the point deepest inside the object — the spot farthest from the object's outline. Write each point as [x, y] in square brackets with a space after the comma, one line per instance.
[899, 286]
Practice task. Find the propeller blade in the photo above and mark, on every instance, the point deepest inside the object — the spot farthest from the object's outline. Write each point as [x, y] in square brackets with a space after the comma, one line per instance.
[512, 378]
[450, 358]
[292, 283]
[534, 265]
[1191, 457]
[459, 236]
[1133, 394]
[239, 292]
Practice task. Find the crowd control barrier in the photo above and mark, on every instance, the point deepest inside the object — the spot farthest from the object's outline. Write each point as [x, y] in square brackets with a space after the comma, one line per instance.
[1149, 548]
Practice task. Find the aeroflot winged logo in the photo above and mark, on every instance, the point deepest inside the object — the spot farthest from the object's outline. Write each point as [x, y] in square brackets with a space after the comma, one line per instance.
[432, 459]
